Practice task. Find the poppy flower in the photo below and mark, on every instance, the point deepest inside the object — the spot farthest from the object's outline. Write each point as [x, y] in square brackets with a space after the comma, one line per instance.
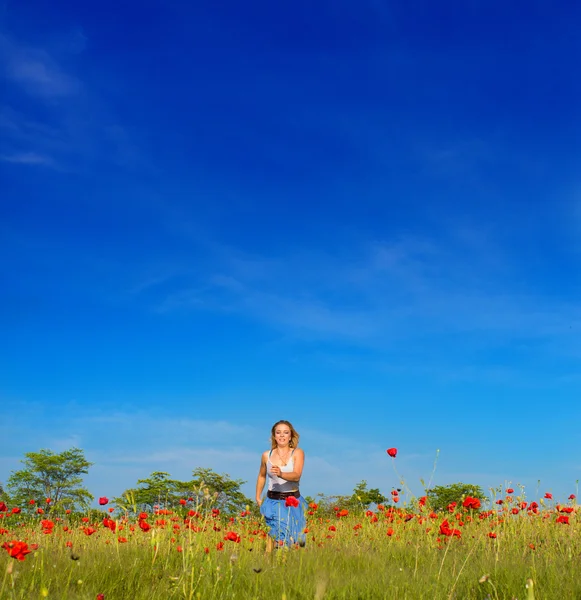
[470, 502]
[15, 510]
[31, 502]
[103, 500]
[510, 491]
[291, 501]
[571, 497]
[16, 549]
[392, 452]
[563, 519]
[549, 496]
[183, 501]
[100, 597]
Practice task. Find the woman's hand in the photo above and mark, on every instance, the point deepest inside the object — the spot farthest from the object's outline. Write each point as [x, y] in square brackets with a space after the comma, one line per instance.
[259, 501]
[275, 470]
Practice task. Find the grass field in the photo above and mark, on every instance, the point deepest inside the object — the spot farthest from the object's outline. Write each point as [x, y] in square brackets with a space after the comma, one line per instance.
[514, 550]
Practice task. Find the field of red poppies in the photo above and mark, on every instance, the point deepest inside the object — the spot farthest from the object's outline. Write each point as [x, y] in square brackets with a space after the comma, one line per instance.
[514, 548]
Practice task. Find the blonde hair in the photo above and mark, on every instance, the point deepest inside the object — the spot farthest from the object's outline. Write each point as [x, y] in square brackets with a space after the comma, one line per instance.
[294, 441]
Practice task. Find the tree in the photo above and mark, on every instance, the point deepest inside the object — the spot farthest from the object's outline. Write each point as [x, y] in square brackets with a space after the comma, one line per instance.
[207, 490]
[362, 498]
[219, 491]
[51, 475]
[441, 496]
[156, 490]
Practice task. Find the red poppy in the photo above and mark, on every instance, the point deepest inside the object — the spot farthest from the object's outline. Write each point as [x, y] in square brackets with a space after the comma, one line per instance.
[491, 534]
[392, 452]
[563, 519]
[470, 502]
[332, 528]
[89, 530]
[144, 525]
[100, 597]
[103, 500]
[572, 497]
[48, 500]
[142, 515]
[182, 501]
[122, 540]
[549, 496]
[16, 549]
[15, 510]
[3, 507]
[510, 491]
[31, 502]
[343, 513]
[291, 501]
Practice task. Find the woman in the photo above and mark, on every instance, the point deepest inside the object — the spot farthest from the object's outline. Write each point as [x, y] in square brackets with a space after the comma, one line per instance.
[284, 507]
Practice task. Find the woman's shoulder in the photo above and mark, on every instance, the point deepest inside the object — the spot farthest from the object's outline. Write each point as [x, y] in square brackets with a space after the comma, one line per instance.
[298, 451]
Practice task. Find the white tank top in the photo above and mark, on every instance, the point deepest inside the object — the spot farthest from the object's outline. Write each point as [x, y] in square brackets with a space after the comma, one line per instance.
[275, 483]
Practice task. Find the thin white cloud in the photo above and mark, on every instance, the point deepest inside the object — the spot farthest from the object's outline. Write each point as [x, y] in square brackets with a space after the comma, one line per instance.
[28, 158]
[35, 70]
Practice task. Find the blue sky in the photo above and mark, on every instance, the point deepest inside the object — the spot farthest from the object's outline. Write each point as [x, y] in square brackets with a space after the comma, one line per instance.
[362, 217]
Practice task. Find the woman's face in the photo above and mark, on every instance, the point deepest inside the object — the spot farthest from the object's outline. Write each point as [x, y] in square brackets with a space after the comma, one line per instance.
[282, 434]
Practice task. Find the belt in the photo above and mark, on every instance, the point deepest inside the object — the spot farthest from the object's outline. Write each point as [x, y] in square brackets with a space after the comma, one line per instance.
[282, 495]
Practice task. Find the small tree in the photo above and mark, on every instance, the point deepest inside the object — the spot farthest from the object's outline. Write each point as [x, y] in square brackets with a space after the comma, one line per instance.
[363, 498]
[51, 475]
[219, 490]
[207, 489]
[441, 496]
[156, 490]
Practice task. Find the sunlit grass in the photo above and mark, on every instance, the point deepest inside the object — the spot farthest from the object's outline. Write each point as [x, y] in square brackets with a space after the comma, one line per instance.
[390, 553]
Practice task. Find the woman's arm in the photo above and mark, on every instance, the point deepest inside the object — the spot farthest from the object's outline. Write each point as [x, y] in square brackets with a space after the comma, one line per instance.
[298, 463]
[261, 479]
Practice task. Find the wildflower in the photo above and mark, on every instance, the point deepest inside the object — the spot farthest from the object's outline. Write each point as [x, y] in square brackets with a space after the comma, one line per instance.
[110, 509]
[40, 511]
[549, 496]
[144, 525]
[343, 513]
[232, 537]
[183, 501]
[389, 532]
[492, 535]
[470, 502]
[563, 519]
[48, 500]
[510, 491]
[422, 501]
[85, 519]
[392, 452]
[451, 506]
[332, 528]
[103, 500]
[31, 502]
[15, 510]
[142, 515]
[313, 506]
[16, 549]
[122, 540]
[100, 597]
[292, 501]
[89, 530]
[571, 497]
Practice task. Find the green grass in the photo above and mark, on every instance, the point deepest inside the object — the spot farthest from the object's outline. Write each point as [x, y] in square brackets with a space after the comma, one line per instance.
[416, 562]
